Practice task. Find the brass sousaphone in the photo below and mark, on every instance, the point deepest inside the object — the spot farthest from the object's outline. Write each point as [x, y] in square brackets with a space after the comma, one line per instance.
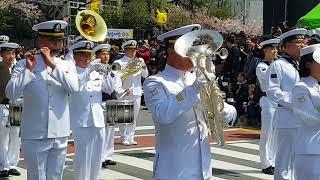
[91, 25]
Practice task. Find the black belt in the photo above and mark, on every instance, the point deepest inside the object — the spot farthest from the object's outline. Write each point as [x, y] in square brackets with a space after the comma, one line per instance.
[280, 105]
[264, 94]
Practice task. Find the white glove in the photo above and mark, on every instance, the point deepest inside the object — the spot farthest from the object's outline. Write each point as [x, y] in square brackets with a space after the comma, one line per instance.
[143, 64]
[199, 84]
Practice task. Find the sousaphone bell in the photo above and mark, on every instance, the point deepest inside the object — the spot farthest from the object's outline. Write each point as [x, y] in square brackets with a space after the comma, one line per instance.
[91, 25]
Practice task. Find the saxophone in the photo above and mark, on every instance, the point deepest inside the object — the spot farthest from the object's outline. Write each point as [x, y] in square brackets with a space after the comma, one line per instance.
[199, 46]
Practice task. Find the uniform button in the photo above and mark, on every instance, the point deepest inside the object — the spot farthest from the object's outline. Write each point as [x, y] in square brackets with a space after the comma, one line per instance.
[50, 108]
[90, 96]
[49, 84]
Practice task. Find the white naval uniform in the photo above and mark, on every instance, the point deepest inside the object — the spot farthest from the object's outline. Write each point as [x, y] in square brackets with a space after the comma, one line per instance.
[267, 148]
[306, 105]
[45, 123]
[134, 82]
[182, 143]
[87, 123]
[109, 141]
[281, 79]
[9, 139]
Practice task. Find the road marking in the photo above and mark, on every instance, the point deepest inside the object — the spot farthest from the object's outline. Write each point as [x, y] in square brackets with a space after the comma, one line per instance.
[246, 145]
[235, 154]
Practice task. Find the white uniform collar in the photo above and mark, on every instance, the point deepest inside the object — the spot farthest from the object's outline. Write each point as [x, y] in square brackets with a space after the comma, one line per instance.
[312, 80]
[126, 58]
[175, 73]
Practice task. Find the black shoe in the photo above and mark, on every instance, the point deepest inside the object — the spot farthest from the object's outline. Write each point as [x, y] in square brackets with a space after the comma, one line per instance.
[104, 164]
[14, 172]
[4, 173]
[110, 162]
[268, 170]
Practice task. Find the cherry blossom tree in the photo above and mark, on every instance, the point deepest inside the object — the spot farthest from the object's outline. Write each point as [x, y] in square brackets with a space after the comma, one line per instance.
[228, 25]
[24, 10]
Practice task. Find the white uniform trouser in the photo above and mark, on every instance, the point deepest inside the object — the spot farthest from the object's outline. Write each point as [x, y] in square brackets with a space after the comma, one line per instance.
[108, 144]
[45, 158]
[127, 131]
[9, 147]
[89, 142]
[9, 142]
[307, 166]
[266, 148]
[284, 166]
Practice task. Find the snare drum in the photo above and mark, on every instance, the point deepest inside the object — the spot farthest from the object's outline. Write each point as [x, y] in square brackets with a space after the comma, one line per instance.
[119, 112]
[15, 113]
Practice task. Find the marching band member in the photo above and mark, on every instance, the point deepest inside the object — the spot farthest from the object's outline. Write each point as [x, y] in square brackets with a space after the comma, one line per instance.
[44, 81]
[268, 107]
[87, 118]
[102, 53]
[306, 105]
[281, 77]
[172, 96]
[3, 39]
[9, 135]
[133, 84]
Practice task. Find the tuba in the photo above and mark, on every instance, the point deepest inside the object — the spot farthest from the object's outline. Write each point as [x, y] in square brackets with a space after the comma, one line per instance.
[91, 25]
[199, 45]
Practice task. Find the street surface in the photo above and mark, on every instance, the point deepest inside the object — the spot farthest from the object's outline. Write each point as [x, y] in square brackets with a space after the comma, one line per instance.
[237, 160]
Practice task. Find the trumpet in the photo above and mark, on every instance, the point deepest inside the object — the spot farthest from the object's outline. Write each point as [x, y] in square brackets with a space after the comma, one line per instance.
[106, 68]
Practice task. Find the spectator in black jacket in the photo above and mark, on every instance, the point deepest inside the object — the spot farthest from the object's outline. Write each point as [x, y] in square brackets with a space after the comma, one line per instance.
[232, 64]
[241, 93]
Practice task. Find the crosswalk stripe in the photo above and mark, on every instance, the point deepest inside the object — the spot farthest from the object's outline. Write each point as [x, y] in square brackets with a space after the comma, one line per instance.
[133, 161]
[239, 149]
[108, 174]
[235, 160]
[243, 170]
[139, 128]
[235, 154]
[246, 145]
[222, 165]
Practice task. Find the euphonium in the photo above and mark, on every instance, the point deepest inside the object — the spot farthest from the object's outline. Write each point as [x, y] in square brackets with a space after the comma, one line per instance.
[132, 67]
[198, 46]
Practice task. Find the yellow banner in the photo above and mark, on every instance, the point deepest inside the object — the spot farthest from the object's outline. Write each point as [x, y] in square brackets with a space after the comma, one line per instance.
[95, 6]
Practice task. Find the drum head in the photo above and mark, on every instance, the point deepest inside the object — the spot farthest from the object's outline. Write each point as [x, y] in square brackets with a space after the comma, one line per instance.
[119, 112]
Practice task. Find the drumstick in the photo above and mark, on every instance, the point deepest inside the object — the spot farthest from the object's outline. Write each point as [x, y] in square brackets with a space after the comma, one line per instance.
[125, 93]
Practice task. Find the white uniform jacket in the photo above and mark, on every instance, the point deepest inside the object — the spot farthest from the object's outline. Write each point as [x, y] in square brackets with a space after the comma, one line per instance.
[134, 81]
[45, 93]
[261, 72]
[182, 145]
[282, 77]
[86, 104]
[306, 105]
